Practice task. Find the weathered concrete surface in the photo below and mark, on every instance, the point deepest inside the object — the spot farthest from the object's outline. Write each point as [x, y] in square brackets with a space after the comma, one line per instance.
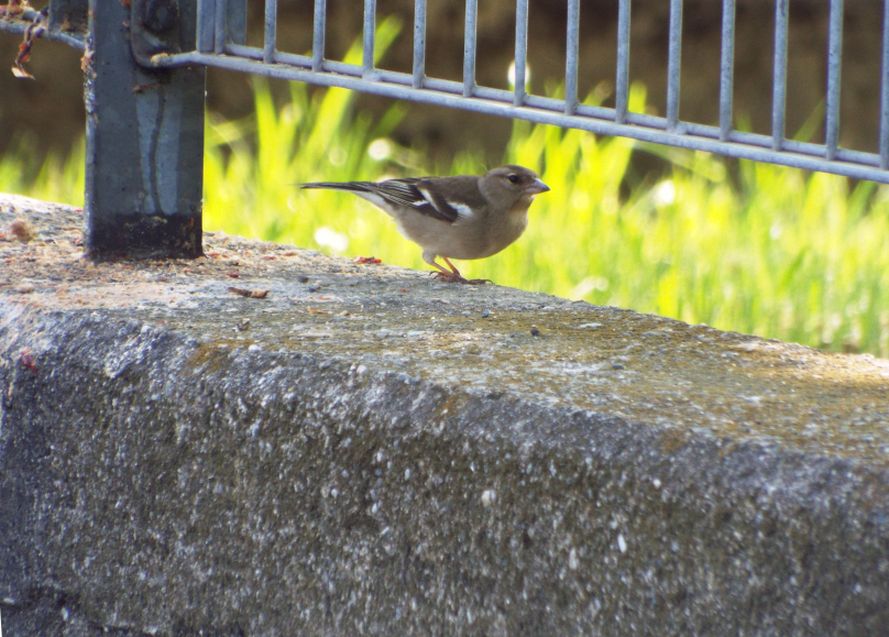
[370, 451]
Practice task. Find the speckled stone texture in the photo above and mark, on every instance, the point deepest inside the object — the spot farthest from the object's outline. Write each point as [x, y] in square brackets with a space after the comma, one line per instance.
[369, 451]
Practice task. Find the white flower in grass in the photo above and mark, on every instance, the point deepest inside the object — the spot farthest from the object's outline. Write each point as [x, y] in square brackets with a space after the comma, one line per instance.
[380, 149]
[664, 194]
[331, 239]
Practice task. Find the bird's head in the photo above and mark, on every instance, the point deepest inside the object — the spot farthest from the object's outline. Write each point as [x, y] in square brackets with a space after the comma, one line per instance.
[513, 183]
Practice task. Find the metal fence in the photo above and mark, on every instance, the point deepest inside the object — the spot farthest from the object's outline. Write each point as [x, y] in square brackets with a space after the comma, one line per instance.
[179, 38]
[214, 49]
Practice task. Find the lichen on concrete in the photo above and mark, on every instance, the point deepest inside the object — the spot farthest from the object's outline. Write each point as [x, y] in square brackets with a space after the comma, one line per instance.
[369, 450]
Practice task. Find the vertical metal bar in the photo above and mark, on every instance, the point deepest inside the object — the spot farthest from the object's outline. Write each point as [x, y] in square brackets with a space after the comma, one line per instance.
[622, 80]
[521, 50]
[219, 29]
[572, 49]
[834, 64]
[144, 140]
[419, 71]
[884, 92]
[236, 22]
[206, 25]
[271, 31]
[779, 78]
[469, 40]
[318, 34]
[727, 69]
[370, 27]
[674, 63]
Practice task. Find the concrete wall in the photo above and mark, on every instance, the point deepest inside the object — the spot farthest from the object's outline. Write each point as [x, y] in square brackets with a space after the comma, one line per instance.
[369, 451]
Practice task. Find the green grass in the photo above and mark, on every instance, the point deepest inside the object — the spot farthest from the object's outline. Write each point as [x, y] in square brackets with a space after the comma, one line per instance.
[53, 177]
[761, 249]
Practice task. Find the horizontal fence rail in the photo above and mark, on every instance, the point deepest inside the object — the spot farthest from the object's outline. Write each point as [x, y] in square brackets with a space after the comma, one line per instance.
[220, 42]
[467, 94]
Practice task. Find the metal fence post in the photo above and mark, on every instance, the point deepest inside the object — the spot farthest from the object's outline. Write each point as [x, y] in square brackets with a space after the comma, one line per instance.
[145, 133]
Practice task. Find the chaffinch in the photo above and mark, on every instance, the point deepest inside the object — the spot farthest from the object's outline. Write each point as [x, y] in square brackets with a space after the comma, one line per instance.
[463, 217]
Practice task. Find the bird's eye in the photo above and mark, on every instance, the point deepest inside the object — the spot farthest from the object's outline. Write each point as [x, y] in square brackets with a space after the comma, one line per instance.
[513, 178]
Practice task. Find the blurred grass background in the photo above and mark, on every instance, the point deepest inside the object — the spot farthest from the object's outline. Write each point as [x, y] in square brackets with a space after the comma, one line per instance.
[747, 247]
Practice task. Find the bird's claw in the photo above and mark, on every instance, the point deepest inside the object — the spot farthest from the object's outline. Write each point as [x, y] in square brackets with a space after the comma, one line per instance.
[457, 278]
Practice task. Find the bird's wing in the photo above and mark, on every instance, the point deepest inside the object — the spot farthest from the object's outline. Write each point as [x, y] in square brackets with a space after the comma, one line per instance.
[414, 193]
[419, 194]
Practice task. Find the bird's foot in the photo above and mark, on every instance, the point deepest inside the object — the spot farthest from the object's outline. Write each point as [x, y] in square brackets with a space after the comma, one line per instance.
[452, 277]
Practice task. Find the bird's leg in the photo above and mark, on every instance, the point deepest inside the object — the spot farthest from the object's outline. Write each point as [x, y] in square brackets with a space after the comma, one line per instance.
[454, 271]
[453, 275]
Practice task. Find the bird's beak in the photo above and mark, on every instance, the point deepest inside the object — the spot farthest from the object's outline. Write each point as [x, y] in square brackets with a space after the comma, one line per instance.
[536, 187]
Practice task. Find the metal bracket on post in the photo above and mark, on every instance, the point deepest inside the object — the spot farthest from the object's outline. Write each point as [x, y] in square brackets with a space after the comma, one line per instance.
[145, 132]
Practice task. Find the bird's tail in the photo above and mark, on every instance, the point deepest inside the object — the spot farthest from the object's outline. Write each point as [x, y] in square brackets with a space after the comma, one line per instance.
[354, 186]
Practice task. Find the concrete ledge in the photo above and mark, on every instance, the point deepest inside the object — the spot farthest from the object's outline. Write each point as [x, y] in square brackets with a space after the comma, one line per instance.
[369, 451]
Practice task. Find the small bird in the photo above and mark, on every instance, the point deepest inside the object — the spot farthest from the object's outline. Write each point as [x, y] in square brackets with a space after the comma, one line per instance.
[461, 217]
